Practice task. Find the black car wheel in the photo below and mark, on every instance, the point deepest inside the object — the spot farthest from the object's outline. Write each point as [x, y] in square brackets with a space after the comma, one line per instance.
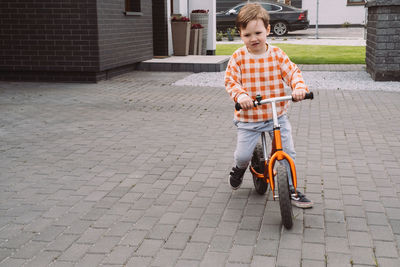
[280, 28]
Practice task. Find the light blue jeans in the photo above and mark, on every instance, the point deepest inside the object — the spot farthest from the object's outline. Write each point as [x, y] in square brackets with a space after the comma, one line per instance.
[249, 133]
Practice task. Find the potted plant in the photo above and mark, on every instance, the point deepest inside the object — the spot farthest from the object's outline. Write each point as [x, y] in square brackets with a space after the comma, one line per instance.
[219, 36]
[180, 35]
[200, 16]
[196, 31]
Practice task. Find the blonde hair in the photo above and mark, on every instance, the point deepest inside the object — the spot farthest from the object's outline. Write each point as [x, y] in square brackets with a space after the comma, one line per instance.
[249, 12]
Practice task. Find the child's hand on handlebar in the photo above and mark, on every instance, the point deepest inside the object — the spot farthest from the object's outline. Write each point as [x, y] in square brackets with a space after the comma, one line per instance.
[299, 94]
[246, 102]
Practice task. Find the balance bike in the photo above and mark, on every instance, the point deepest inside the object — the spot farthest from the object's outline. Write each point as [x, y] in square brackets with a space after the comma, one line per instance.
[262, 165]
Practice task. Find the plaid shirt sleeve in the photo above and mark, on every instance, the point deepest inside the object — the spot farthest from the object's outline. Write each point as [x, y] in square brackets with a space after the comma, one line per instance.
[233, 78]
[290, 72]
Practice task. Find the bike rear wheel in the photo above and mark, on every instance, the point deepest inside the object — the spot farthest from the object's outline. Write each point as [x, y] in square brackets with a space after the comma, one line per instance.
[257, 162]
[284, 196]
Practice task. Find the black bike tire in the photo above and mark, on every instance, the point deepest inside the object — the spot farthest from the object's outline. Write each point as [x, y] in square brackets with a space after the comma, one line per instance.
[260, 185]
[284, 197]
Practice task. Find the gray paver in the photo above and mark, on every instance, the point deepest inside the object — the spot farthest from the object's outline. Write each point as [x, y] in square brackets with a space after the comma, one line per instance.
[288, 257]
[119, 255]
[221, 243]
[74, 253]
[91, 260]
[133, 170]
[149, 248]
[214, 259]
[166, 257]
[194, 251]
[203, 234]
[241, 254]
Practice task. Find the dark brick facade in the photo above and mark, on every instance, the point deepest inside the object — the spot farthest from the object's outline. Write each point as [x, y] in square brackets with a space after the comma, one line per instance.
[38, 37]
[124, 39]
[383, 40]
[75, 40]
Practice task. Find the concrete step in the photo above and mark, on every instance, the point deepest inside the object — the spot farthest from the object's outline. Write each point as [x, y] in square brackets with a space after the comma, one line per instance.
[186, 64]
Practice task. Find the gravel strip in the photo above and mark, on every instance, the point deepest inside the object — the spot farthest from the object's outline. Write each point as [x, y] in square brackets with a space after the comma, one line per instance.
[326, 80]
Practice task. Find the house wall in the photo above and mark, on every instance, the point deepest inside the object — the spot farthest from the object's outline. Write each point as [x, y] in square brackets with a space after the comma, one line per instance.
[124, 39]
[334, 12]
[48, 40]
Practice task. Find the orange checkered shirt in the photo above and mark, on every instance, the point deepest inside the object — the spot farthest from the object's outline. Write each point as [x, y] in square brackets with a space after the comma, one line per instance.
[264, 75]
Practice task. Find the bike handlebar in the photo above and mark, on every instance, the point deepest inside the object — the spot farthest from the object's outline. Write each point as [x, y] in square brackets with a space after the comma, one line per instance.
[309, 95]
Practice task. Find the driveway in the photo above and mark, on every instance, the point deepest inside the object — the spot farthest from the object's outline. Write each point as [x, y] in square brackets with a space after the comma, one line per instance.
[133, 172]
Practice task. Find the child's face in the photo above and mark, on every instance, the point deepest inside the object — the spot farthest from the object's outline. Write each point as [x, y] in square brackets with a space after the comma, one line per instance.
[254, 36]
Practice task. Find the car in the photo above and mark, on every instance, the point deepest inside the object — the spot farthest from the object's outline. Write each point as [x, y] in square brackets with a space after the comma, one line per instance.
[283, 18]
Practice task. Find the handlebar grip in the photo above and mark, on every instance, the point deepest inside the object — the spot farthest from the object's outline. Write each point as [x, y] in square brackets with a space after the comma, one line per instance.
[237, 106]
[309, 95]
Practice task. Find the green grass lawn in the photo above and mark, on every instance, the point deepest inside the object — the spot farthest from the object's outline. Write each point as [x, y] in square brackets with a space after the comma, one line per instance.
[311, 54]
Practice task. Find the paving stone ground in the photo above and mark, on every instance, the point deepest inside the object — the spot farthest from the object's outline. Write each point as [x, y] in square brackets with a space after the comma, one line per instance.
[133, 172]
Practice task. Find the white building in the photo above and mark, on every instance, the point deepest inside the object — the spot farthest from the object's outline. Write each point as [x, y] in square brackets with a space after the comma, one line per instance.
[336, 12]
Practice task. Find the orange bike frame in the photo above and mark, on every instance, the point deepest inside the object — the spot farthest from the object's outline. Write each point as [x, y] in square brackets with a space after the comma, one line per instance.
[277, 153]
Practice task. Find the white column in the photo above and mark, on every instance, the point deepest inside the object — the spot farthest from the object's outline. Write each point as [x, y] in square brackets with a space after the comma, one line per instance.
[170, 48]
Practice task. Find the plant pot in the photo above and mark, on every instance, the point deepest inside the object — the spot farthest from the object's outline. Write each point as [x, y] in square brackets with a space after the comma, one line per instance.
[201, 18]
[180, 38]
[194, 42]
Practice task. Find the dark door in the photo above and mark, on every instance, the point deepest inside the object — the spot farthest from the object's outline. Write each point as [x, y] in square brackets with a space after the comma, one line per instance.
[160, 27]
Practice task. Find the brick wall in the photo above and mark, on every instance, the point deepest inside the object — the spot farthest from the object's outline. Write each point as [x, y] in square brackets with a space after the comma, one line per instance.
[383, 40]
[48, 40]
[124, 39]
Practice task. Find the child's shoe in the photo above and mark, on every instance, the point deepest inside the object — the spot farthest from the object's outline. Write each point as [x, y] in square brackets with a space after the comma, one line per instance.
[300, 201]
[236, 177]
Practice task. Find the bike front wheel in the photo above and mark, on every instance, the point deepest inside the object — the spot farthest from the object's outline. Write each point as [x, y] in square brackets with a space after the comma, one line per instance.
[284, 196]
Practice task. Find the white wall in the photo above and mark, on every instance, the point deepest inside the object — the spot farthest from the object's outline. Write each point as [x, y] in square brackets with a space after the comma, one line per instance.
[181, 7]
[334, 12]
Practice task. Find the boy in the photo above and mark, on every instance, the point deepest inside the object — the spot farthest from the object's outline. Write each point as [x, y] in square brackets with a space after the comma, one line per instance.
[259, 68]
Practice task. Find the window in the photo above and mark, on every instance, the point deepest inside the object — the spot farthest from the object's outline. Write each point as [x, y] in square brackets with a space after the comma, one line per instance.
[355, 2]
[237, 9]
[132, 5]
